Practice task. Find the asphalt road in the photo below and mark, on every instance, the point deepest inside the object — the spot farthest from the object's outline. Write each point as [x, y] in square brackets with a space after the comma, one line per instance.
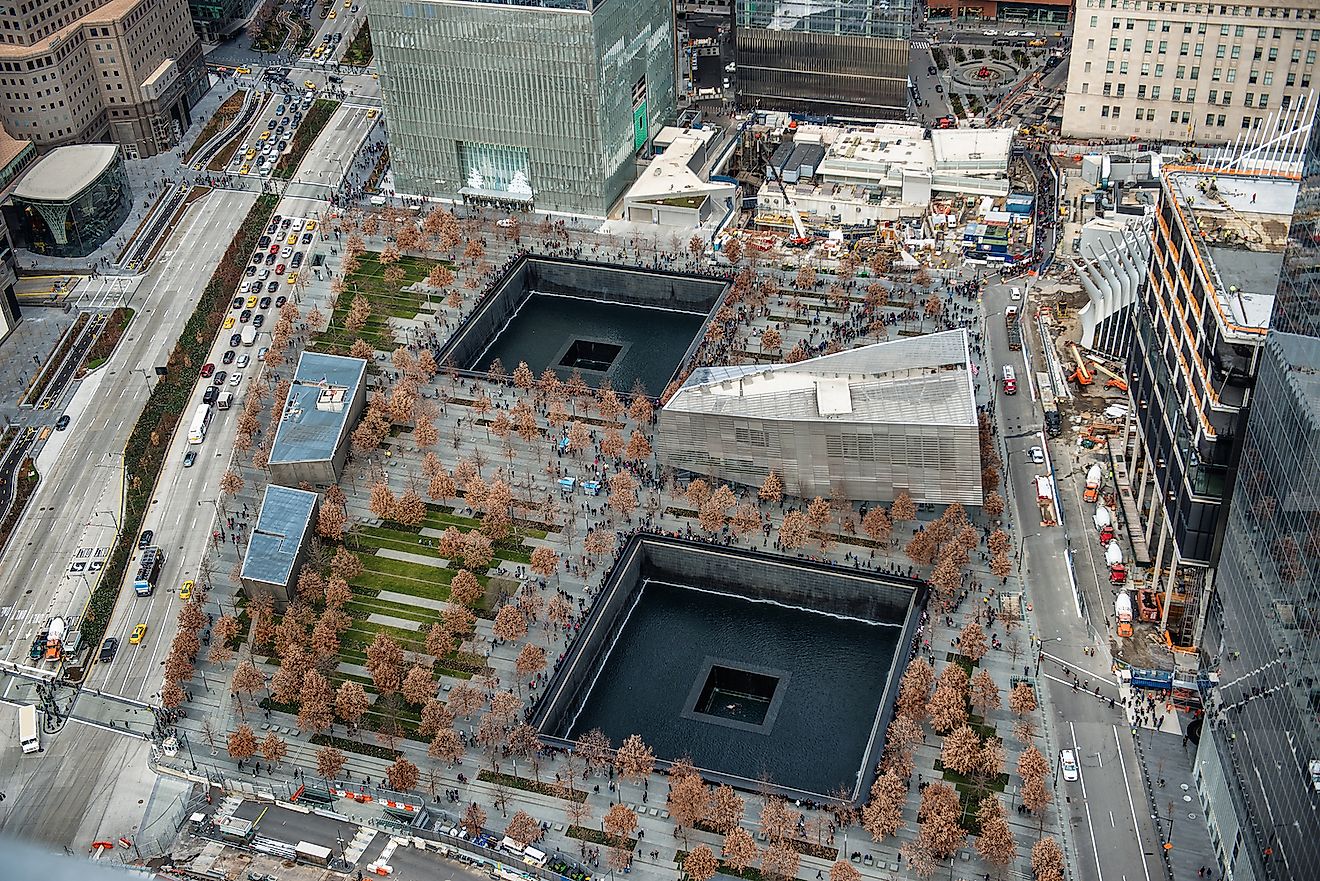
[1106, 807]
[183, 515]
[75, 509]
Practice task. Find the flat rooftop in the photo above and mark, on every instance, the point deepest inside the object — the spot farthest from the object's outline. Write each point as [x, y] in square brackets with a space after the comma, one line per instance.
[924, 380]
[315, 414]
[62, 174]
[1240, 224]
[281, 523]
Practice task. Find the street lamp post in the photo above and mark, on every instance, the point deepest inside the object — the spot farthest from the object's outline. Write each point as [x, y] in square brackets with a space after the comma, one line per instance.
[1040, 651]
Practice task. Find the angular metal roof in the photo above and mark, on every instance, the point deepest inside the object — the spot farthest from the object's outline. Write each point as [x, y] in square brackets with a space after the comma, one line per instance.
[315, 414]
[281, 523]
[924, 379]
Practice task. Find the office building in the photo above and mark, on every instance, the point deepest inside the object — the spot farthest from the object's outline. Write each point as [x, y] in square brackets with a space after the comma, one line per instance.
[1186, 72]
[315, 431]
[845, 58]
[1217, 247]
[1040, 13]
[862, 424]
[1258, 763]
[545, 105]
[126, 71]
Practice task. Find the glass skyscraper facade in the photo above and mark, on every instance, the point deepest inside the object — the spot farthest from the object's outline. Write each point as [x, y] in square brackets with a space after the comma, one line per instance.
[1258, 762]
[830, 57]
[543, 105]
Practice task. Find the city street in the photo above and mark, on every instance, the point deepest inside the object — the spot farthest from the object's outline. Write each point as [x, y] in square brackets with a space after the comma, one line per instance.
[1106, 807]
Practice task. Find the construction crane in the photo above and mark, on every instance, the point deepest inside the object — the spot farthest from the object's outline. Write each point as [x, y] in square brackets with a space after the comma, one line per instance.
[803, 239]
[1115, 381]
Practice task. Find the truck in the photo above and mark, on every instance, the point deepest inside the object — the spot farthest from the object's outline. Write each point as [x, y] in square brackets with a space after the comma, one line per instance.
[1123, 613]
[1114, 560]
[1045, 499]
[1013, 326]
[1104, 524]
[1053, 421]
[1094, 479]
[55, 634]
[149, 566]
[29, 735]
[248, 335]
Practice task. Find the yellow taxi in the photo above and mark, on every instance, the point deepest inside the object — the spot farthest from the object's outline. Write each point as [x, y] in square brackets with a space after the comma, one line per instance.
[244, 70]
[229, 322]
[371, 114]
[197, 166]
[292, 240]
[265, 136]
[245, 169]
[252, 302]
[138, 633]
[292, 277]
[348, 3]
[311, 225]
[1038, 42]
[185, 590]
[309, 84]
[251, 153]
[334, 13]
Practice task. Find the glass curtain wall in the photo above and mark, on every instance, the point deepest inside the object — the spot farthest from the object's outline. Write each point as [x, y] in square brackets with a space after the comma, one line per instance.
[521, 103]
[1263, 734]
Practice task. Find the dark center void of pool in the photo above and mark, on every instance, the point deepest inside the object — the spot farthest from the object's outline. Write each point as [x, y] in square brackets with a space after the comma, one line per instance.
[774, 683]
[611, 323]
[620, 341]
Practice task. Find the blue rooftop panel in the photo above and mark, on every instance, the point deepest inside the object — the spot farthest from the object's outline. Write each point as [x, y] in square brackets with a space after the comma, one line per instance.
[281, 522]
[315, 413]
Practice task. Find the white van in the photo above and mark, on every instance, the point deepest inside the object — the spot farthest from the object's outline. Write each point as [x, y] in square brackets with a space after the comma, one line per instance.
[28, 735]
[225, 401]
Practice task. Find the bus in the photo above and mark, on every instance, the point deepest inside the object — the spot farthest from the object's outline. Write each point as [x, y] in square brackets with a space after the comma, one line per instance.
[28, 736]
[201, 421]
[1010, 380]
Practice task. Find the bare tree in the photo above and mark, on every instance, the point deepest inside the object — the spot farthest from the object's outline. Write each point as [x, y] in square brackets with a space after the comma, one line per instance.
[329, 762]
[740, 849]
[634, 759]
[700, 864]
[242, 743]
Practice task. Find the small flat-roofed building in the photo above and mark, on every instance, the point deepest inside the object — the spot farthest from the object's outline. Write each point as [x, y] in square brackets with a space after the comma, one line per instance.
[72, 200]
[670, 190]
[862, 424]
[324, 402]
[278, 543]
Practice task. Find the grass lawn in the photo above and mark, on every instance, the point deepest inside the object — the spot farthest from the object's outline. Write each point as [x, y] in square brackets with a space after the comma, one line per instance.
[387, 301]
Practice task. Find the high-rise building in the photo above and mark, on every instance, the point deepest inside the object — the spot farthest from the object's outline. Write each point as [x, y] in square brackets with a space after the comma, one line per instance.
[845, 58]
[1258, 762]
[127, 71]
[539, 104]
[1216, 250]
[1187, 72]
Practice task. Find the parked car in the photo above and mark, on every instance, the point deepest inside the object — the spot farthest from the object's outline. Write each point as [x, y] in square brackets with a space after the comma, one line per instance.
[227, 357]
[191, 456]
[1037, 455]
[211, 393]
[144, 540]
[265, 302]
[258, 320]
[62, 423]
[219, 377]
[280, 301]
[207, 369]
[235, 340]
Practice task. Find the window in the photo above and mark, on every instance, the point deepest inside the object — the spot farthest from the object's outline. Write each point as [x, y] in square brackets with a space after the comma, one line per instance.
[1219, 50]
[1273, 54]
[1228, 98]
[1236, 53]
[1104, 111]
[1159, 70]
[1113, 44]
[1173, 117]
[1246, 122]
[1214, 95]
[1220, 120]
[1108, 88]
[1177, 94]
[1123, 67]
[1127, 45]
[1121, 87]
[1088, 67]
[1209, 119]
[1180, 73]
[1145, 68]
[1141, 114]
[1268, 78]
[1150, 46]
[1154, 93]
[1249, 100]
[1141, 90]
[1264, 101]
[1253, 76]
[1109, 67]
[1191, 95]
[1164, 46]
[1113, 111]
[1183, 49]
